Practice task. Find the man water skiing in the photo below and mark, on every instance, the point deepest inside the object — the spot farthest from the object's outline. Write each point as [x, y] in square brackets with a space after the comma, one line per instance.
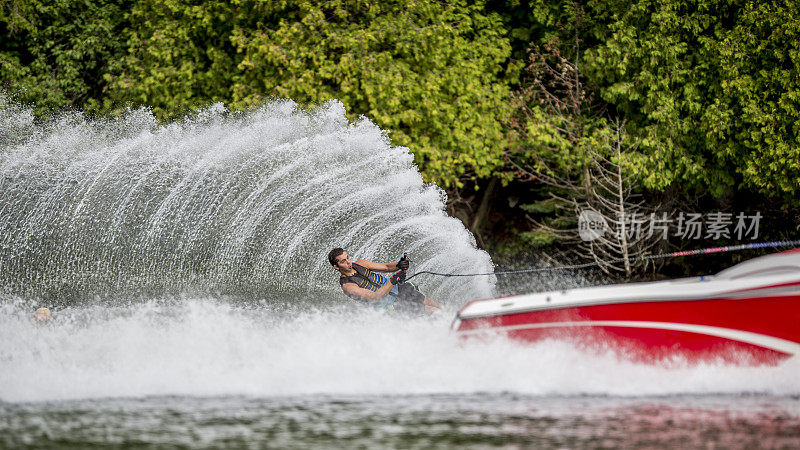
[360, 281]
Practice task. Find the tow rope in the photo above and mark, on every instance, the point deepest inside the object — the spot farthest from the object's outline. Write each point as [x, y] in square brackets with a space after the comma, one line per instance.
[702, 251]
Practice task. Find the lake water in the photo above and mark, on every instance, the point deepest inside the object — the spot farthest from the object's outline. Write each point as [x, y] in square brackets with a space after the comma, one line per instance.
[501, 420]
[194, 305]
[212, 373]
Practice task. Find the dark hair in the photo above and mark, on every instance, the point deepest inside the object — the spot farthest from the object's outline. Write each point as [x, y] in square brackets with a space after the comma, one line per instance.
[334, 254]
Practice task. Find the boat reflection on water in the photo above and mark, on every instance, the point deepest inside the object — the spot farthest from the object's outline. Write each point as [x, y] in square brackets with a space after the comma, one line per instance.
[692, 422]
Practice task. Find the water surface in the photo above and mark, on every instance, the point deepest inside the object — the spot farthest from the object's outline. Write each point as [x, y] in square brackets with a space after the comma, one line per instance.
[194, 306]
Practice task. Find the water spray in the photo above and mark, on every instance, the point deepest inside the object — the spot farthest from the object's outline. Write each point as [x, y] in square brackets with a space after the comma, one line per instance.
[233, 204]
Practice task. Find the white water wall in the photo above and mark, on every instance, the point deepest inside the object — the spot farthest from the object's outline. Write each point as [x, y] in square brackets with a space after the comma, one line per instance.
[222, 203]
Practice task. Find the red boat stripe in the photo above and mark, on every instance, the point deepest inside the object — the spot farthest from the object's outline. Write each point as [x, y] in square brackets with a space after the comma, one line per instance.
[770, 342]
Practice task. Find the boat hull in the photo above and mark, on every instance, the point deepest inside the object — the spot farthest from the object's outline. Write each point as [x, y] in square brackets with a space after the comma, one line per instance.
[739, 318]
[733, 331]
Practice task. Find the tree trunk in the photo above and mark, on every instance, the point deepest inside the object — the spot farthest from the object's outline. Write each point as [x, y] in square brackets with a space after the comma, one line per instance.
[483, 210]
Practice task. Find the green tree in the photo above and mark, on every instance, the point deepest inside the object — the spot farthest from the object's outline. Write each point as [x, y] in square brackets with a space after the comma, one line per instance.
[179, 56]
[577, 162]
[711, 86]
[53, 53]
[432, 73]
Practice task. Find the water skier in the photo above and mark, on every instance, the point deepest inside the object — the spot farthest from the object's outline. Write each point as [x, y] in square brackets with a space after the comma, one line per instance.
[361, 281]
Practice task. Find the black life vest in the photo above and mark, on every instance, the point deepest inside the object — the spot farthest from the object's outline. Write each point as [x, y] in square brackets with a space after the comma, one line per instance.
[364, 278]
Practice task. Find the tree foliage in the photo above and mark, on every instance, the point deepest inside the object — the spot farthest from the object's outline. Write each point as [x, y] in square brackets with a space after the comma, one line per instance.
[711, 86]
[579, 159]
[180, 56]
[432, 73]
[53, 54]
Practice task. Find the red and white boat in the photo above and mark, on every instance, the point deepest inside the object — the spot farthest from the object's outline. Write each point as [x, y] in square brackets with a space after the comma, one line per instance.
[748, 314]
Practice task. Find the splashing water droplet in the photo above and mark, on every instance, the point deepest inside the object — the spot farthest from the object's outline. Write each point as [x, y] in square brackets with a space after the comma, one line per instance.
[245, 203]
